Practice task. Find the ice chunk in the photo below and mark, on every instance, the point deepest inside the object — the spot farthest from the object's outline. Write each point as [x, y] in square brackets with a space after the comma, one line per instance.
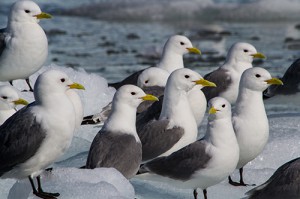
[104, 183]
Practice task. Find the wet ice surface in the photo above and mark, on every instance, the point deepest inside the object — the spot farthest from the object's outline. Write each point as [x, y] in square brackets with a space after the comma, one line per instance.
[283, 146]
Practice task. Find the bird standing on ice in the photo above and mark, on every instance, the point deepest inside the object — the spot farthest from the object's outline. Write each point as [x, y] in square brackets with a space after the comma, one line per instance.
[117, 143]
[23, 43]
[249, 117]
[38, 134]
[203, 163]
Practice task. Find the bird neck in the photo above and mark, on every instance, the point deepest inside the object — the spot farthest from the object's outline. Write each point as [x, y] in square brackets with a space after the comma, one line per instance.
[236, 65]
[249, 102]
[28, 30]
[122, 119]
[171, 61]
[176, 107]
[220, 132]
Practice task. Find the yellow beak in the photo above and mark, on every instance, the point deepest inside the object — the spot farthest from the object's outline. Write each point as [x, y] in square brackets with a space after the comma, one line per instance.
[205, 82]
[43, 15]
[148, 97]
[20, 101]
[259, 55]
[212, 110]
[274, 81]
[194, 50]
[76, 86]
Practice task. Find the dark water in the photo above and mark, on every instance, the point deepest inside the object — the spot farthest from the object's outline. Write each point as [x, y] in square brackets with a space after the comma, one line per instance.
[114, 38]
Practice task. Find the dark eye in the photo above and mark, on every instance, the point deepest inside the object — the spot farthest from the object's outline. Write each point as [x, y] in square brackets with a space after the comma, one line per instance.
[146, 82]
[133, 93]
[257, 75]
[4, 97]
[187, 76]
[245, 51]
[27, 11]
[62, 79]
[223, 105]
[182, 43]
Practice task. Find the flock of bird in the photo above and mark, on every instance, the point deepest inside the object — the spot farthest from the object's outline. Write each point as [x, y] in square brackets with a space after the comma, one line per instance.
[151, 126]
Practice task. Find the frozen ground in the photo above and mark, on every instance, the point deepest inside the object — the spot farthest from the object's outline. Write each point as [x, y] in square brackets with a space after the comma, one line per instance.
[107, 183]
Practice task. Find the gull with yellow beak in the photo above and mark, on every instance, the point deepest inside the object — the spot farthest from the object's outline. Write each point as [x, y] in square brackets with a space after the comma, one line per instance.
[9, 99]
[171, 59]
[117, 144]
[176, 126]
[38, 134]
[249, 119]
[227, 76]
[23, 43]
[203, 163]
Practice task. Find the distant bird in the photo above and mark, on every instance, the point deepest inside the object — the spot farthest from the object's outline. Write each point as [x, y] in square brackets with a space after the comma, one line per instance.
[290, 91]
[9, 99]
[250, 120]
[205, 162]
[172, 58]
[117, 143]
[35, 136]
[176, 126]
[284, 183]
[23, 43]
[227, 76]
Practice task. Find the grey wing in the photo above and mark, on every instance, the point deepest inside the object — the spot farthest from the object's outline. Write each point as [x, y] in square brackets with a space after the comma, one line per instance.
[99, 117]
[20, 138]
[152, 113]
[291, 82]
[182, 164]
[221, 79]
[153, 90]
[120, 151]
[2, 40]
[284, 183]
[132, 79]
[157, 139]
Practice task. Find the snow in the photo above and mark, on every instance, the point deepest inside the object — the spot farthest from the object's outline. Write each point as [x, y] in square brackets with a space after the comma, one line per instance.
[103, 183]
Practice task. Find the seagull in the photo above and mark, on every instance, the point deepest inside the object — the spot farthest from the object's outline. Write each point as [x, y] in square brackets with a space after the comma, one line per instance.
[9, 99]
[205, 162]
[117, 143]
[250, 120]
[284, 183]
[227, 76]
[290, 89]
[35, 136]
[23, 43]
[176, 126]
[196, 100]
[172, 58]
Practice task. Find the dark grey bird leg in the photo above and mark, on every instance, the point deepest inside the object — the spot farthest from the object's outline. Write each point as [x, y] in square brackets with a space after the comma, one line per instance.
[205, 193]
[195, 194]
[241, 183]
[38, 193]
[46, 194]
[28, 83]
